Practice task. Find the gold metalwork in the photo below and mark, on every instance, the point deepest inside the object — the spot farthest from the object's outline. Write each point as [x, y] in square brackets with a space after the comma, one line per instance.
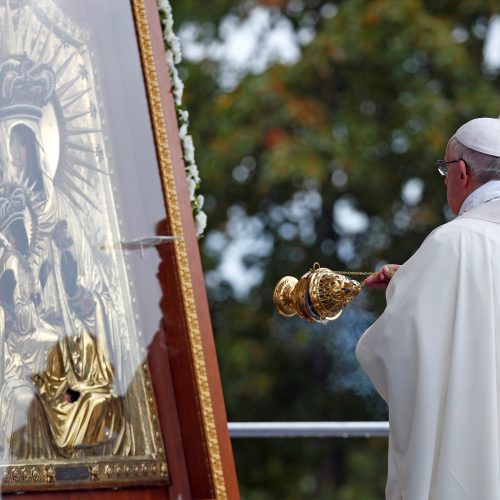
[282, 296]
[354, 273]
[173, 210]
[76, 402]
[318, 296]
[98, 475]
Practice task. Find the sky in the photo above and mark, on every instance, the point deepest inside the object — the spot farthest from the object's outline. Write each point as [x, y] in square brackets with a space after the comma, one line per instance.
[492, 45]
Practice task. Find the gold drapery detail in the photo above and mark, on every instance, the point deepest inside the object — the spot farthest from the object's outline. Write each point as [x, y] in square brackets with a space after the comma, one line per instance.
[172, 206]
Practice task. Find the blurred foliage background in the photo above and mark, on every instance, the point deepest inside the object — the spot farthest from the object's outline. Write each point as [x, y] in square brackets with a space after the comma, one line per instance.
[325, 156]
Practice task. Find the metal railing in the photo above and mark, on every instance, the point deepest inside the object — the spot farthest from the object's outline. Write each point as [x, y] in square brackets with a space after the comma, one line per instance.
[308, 429]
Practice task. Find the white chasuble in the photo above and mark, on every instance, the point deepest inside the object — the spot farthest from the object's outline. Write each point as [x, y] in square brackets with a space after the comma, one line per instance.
[434, 356]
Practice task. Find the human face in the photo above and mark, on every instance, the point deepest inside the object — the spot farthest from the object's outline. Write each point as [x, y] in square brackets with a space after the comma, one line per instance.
[18, 151]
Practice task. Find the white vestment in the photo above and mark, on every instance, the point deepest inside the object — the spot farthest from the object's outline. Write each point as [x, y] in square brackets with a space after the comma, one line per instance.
[434, 356]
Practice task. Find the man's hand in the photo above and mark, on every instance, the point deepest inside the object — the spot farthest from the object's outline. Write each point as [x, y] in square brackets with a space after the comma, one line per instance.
[381, 279]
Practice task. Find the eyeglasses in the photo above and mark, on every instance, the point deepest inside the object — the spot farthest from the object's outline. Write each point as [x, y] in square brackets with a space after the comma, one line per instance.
[442, 166]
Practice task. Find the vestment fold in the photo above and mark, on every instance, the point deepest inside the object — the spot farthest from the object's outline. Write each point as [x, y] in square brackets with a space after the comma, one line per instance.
[434, 356]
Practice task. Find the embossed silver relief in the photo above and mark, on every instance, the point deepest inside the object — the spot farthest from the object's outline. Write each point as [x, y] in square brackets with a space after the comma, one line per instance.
[71, 384]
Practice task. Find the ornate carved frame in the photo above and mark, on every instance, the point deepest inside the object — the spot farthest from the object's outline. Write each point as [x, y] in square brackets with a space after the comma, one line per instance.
[188, 265]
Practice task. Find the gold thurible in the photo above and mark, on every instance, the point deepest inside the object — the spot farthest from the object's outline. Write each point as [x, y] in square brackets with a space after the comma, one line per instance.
[318, 296]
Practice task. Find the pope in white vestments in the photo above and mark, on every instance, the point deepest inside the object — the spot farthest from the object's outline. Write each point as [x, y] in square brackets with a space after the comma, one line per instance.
[434, 354]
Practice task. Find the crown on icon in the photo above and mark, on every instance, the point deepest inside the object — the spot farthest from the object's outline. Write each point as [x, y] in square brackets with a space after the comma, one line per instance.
[25, 87]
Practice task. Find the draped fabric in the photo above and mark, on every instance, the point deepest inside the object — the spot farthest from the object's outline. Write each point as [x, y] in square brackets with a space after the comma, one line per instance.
[434, 356]
[62, 379]
[24, 341]
[76, 391]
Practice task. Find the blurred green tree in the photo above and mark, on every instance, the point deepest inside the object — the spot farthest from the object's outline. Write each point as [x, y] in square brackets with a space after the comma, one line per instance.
[328, 159]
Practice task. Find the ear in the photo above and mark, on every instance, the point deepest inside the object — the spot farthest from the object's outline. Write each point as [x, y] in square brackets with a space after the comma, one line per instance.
[465, 178]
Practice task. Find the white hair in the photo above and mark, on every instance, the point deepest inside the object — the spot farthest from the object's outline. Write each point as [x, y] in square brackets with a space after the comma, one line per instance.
[484, 167]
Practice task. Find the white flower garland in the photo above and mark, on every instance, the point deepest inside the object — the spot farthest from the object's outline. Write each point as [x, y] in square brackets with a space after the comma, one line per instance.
[174, 57]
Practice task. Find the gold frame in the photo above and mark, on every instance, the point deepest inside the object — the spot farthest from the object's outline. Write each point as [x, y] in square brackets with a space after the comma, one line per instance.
[173, 210]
